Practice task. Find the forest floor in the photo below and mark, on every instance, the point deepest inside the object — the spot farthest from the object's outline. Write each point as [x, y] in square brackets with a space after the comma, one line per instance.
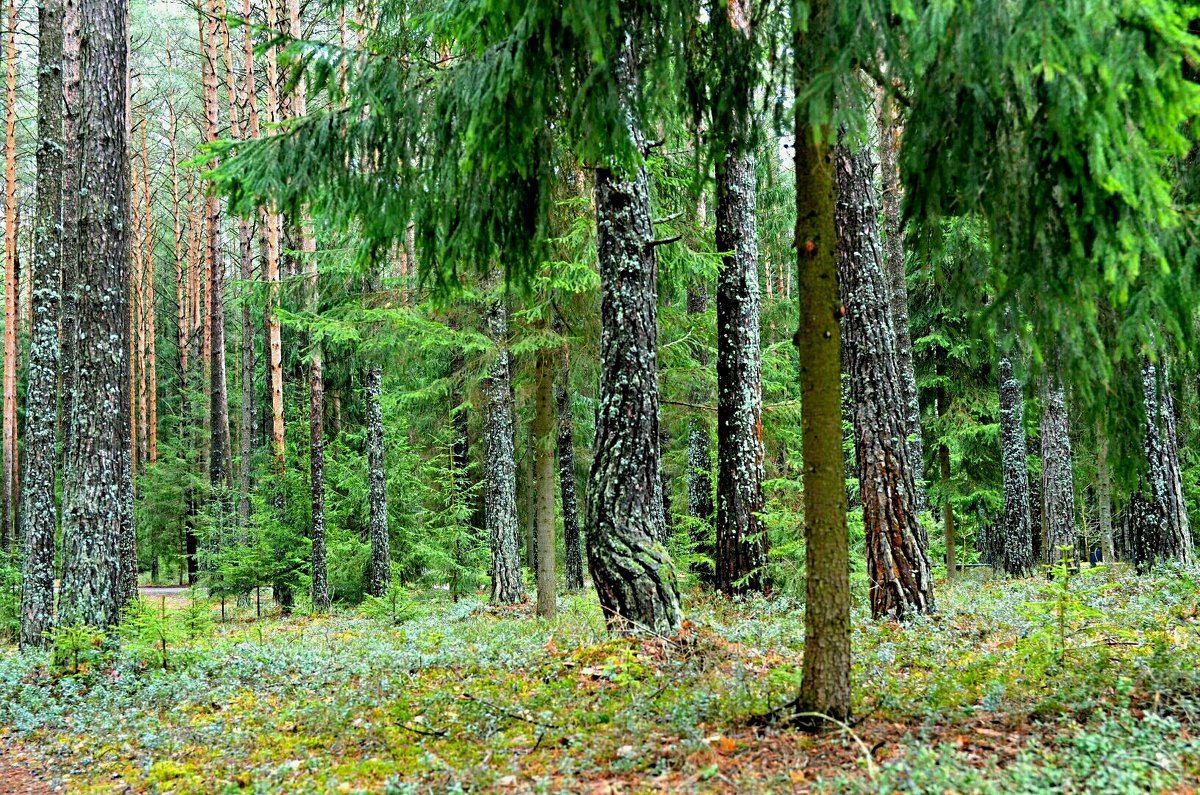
[1013, 687]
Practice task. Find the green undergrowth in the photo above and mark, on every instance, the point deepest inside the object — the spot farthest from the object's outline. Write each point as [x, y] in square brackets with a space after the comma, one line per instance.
[1045, 685]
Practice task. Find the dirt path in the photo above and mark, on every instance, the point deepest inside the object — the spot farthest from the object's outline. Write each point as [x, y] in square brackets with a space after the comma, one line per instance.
[17, 776]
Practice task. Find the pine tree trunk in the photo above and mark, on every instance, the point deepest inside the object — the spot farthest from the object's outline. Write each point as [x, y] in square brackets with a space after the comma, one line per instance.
[1017, 546]
[8, 508]
[901, 582]
[543, 442]
[741, 551]
[499, 464]
[1167, 533]
[380, 575]
[1058, 481]
[97, 477]
[699, 484]
[630, 566]
[1104, 497]
[316, 392]
[70, 212]
[566, 477]
[246, 123]
[271, 241]
[40, 513]
[890, 131]
[219, 468]
[825, 687]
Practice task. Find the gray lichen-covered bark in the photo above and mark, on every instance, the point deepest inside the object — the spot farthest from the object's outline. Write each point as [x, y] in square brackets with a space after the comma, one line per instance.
[543, 441]
[379, 578]
[890, 131]
[1058, 480]
[741, 550]
[93, 504]
[631, 568]
[1016, 557]
[572, 536]
[39, 512]
[499, 464]
[901, 582]
[1164, 533]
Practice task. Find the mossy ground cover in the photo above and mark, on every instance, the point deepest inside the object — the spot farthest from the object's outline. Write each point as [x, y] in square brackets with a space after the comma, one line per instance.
[1013, 687]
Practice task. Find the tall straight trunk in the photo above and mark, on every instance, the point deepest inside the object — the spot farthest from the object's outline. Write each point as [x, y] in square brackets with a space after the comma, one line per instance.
[244, 124]
[271, 240]
[901, 582]
[1017, 559]
[543, 445]
[699, 479]
[890, 131]
[316, 451]
[531, 476]
[70, 209]
[8, 490]
[1058, 481]
[97, 477]
[1167, 534]
[40, 514]
[219, 469]
[630, 566]
[741, 551]
[380, 574]
[499, 464]
[148, 324]
[700, 505]
[825, 687]
[1108, 552]
[566, 478]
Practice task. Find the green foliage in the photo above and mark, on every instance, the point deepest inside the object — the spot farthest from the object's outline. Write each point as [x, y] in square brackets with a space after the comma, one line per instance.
[78, 649]
[153, 634]
[395, 607]
[10, 597]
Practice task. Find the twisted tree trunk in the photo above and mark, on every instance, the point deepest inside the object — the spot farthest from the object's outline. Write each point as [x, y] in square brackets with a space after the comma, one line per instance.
[901, 582]
[630, 566]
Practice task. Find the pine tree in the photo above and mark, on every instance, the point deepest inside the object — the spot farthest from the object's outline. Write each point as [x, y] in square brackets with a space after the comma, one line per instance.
[1058, 480]
[901, 582]
[1017, 559]
[543, 448]
[566, 477]
[8, 496]
[96, 473]
[40, 514]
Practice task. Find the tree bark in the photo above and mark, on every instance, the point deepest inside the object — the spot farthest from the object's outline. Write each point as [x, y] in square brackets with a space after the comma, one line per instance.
[543, 441]
[499, 464]
[741, 551]
[890, 131]
[566, 477]
[1166, 533]
[1108, 552]
[901, 582]
[70, 211]
[8, 507]
[1058, 481]
[1017, 547]
[825, 687]
[97, 476]
[380, 575]
[40, 514]
[629, 564]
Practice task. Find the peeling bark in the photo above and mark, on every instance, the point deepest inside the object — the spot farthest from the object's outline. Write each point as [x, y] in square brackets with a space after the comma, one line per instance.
[901, 582]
